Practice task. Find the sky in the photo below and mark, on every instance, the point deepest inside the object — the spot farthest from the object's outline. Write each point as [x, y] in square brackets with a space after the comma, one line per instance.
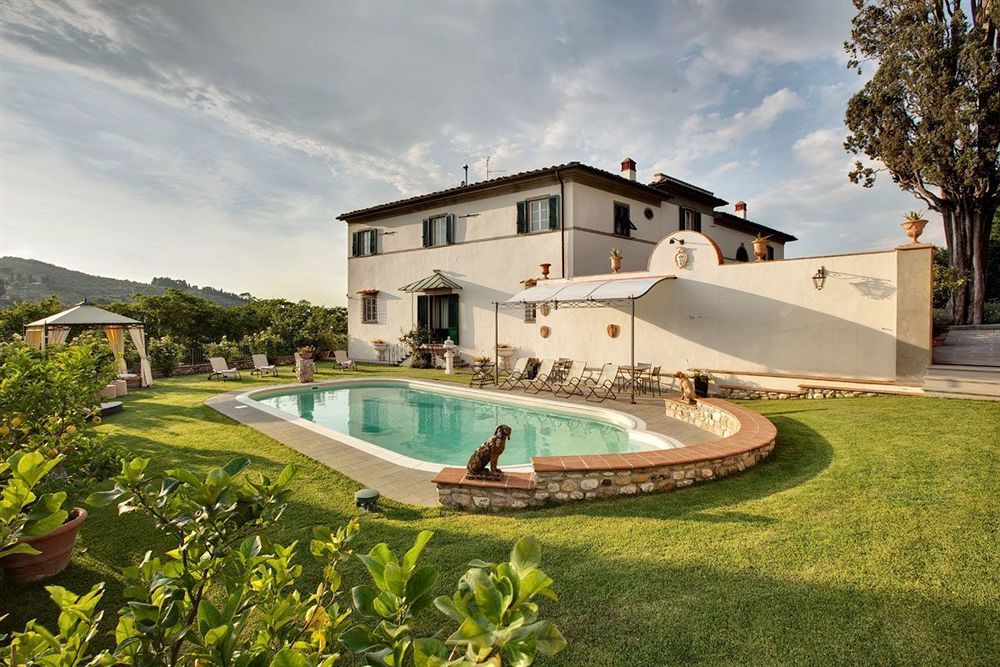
[218, 141]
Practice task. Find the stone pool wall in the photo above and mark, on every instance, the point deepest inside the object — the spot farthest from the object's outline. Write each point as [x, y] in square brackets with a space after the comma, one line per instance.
[747, 438]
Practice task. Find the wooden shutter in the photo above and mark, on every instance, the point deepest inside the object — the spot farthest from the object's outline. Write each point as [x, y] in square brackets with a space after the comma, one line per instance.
[355, 243]
[422, 313]
[373, 242]
[453, 318]
[680, 225]
[450, 229]
[522, 217]
[427, 232]
[696, 219]
[554, 212]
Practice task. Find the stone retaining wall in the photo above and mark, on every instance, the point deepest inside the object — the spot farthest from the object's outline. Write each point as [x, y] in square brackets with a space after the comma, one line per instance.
[755, 393]
[747, 438]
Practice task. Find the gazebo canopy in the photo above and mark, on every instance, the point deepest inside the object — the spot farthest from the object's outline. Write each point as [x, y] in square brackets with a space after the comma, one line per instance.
[85, 314]
[597, 291]
[54, 330]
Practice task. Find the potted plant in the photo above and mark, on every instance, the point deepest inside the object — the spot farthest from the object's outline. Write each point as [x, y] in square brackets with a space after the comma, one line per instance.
[760, 247]
[380, 347]
[913, 224]
[37, 535]
[700, 380]
[616, 260]
[505, 352]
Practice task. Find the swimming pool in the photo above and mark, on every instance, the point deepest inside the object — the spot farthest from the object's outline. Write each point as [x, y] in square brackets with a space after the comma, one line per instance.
[428, 425]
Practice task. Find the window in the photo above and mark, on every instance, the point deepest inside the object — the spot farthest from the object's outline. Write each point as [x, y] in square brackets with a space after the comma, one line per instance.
[364, 243]
[439, 230]
[690, 220]
[439, 315]
[770, 251]
[538, 215]
[369, 309]
[741, 254]
[530, 313]
[623, 223]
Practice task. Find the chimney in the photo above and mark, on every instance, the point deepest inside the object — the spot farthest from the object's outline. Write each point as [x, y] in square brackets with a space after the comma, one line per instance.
[628, 168]
[659, 177]
[741, 209]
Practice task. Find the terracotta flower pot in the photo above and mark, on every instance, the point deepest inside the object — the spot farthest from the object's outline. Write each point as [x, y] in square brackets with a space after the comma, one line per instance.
[616, 264]
[55, 549]
[913, 229]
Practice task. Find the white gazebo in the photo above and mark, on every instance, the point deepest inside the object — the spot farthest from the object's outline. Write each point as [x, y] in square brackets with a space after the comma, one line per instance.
[54, 330]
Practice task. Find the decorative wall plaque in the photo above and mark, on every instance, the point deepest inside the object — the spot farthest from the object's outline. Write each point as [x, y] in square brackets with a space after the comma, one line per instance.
[681, 258]
[545, 331]
[614, 330]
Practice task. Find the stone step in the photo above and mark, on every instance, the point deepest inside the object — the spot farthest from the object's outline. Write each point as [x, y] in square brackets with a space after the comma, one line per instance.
[962, 381]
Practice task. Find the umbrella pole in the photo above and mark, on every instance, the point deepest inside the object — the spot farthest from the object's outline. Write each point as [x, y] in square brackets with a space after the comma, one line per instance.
[633, 350]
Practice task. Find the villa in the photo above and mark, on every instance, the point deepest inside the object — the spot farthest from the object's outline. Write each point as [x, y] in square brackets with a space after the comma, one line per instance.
[524, 260]
[441, 260]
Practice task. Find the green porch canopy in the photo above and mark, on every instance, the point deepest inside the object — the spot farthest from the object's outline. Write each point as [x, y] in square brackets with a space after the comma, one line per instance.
[435, 281]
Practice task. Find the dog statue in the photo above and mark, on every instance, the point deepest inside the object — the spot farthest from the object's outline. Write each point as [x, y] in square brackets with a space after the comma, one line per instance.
[488, 453]
[687, 388]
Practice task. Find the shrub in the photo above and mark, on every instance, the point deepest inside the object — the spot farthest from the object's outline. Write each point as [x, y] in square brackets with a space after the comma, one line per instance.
[225, 348]
[991, 312]
[164, 353]
[49, 403]
[266, 342]
[227, 595]
[22, 513]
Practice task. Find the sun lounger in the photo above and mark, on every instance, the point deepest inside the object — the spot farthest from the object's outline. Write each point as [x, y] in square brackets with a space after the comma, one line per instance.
[221, 369]
[543, 378]
[517, 377]
[261, 366]
[604, 386]
[342, 360]
[574, 382]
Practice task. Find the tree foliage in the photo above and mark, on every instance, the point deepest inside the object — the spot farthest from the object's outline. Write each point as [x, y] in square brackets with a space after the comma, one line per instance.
[931, 115]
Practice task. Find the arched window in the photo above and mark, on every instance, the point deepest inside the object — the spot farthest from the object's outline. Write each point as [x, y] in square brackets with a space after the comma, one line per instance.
[741, 254]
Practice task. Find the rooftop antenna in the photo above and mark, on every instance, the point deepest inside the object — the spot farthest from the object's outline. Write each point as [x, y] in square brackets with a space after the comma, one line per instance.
[492, 171]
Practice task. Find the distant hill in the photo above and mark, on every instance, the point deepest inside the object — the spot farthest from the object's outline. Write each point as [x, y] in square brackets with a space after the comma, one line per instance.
[31, 280]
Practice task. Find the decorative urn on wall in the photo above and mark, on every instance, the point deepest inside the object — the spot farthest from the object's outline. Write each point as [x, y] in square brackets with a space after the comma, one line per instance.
[913, 224]
[616, 260]
[760, 247]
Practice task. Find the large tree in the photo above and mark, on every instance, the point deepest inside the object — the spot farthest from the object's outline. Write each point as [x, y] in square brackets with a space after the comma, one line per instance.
[931, 115]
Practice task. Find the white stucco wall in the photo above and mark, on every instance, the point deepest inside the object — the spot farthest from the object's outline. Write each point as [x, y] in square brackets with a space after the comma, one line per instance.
[488, 259]
[763, 317]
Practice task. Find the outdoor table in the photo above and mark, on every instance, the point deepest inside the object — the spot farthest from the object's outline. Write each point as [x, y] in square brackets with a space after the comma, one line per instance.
[629, 376]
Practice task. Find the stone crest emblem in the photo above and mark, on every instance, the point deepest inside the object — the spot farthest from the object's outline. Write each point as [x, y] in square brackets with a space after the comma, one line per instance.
[681, 258]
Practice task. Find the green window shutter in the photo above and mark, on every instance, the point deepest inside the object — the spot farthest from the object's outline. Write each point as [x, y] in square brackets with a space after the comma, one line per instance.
[522, 217]
[453, 318]
[422, 313]
[697, 222]
[354, 244]
[450, 229]
[427, 232]
[680, 225]
[373, 243]
[554, 212]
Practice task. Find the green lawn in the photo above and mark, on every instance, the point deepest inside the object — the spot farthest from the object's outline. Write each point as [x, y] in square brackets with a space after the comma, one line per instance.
[871, 535]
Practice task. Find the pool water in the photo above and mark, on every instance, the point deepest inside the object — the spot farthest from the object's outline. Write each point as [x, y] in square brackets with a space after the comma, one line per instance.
[444, 428]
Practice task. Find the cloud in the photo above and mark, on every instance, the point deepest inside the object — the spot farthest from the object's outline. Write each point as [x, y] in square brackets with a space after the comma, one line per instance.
[261, 124]
[823, 146]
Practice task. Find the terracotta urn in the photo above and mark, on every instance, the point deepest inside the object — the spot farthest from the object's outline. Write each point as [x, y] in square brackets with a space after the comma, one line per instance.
[913, 229]
[545, 266]
[760, 249]
[616, 263]
[54, 552]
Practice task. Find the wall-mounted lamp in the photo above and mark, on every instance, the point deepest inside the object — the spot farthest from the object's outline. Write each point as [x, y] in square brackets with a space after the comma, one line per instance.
[819, 278]
[672, 241]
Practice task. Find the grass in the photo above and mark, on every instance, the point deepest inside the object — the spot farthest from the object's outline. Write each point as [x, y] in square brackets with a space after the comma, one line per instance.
[870, 536]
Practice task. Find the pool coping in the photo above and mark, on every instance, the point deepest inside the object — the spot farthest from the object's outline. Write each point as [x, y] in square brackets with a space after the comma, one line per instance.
[633, 425]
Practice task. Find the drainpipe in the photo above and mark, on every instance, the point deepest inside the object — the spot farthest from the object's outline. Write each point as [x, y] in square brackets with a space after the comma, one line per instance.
[562, 225]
